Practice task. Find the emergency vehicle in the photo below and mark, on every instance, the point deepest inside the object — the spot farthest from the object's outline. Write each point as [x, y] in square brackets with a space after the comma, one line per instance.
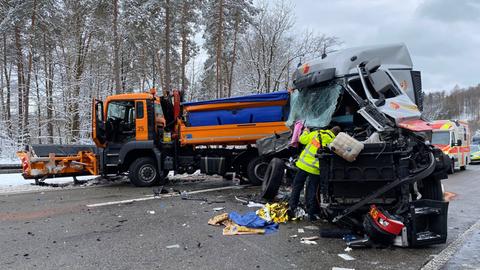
[453, 138]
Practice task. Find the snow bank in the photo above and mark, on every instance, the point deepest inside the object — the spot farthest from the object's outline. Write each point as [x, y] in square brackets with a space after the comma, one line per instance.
[14, 183]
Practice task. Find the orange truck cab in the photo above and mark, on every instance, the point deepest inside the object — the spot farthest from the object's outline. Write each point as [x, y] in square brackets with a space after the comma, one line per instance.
[453, 138]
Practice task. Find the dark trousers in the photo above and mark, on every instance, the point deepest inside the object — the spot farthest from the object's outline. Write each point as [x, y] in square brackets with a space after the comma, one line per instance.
[310, 197]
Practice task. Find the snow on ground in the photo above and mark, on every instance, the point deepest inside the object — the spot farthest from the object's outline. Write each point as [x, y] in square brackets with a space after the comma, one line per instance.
[14, 183]
[4, 160]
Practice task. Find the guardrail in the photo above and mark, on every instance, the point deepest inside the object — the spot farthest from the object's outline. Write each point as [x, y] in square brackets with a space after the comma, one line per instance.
[10, 168]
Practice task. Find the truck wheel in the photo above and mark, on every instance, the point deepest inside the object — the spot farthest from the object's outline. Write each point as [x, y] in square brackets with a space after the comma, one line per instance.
[273, 179]
[452, 167]
[432, 189]
[143, 172]
[256, 170]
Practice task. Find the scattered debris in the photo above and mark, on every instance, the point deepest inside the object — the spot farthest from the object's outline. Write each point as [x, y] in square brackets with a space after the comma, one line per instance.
[312, 227]
[243, 201]
[151, 212]
[301, 230]
[236, 224]
[308, 242]
[185, 196]
[346, 257]
[218, 219]
[294, 236]
[173, 246]
[254, 204]
[348, 249]
[216, 209]
[341, 268]
[276, 212]
[311, 238]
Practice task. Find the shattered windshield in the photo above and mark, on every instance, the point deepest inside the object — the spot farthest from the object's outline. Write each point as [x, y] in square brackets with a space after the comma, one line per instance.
[314, 106]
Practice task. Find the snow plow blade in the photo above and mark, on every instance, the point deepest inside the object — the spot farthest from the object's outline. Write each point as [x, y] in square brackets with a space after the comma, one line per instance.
[49, 161]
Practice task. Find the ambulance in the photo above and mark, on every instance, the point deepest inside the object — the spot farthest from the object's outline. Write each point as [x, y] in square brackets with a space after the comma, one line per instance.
[453, 138]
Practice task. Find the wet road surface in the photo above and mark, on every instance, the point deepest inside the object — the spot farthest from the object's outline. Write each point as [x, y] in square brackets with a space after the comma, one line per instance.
[56, 229]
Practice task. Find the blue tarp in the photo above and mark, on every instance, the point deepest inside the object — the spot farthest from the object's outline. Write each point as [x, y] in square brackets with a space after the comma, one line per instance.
[275, 96]
[237, 116]
[251, 220]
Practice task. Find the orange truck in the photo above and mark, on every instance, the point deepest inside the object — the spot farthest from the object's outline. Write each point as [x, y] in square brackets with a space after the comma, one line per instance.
[453, 138]
[146, 136]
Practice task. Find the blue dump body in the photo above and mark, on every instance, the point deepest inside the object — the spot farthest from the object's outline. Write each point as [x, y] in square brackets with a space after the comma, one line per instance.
[275, 96]
[253, 114]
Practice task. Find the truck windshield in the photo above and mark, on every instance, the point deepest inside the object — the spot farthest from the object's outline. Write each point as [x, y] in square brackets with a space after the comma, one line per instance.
[314, 106]
[442, 137]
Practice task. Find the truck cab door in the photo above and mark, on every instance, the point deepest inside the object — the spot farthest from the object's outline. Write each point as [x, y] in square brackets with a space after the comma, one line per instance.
[98, 123]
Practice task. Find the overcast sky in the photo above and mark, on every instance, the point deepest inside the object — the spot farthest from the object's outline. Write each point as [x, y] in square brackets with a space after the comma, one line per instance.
[443, 36]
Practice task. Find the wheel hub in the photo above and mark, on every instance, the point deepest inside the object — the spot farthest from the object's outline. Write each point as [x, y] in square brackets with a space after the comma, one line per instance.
[147, 173]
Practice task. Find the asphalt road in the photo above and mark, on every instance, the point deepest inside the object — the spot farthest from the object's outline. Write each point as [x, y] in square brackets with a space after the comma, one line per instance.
[55, 229]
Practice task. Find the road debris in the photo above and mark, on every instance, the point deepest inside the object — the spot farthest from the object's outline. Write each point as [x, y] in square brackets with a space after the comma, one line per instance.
[346, 257]
[341, 268]
[348, 249]
[173, 246]
[216, 209]
[301, 230]
[312, 228]
[237, 224]
[254, 204]
[151, 212]
[311, 238]
[308, 242]
[218, 219]
[275, 212]
[294, 236]
[185, 196]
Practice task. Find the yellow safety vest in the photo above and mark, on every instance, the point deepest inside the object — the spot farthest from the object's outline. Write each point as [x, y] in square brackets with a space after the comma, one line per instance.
[307, 160]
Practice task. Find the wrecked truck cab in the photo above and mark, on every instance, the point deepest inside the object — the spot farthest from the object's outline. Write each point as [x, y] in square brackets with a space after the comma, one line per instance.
[376, 82]
[374, 91]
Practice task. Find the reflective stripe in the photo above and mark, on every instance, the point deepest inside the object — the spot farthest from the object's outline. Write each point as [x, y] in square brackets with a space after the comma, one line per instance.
[307, 164]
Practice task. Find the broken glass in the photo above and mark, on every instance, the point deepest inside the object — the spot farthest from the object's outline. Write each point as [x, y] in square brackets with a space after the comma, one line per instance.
[314, 106]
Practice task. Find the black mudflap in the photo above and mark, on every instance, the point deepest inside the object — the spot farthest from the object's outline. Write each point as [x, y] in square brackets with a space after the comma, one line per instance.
[428, 223]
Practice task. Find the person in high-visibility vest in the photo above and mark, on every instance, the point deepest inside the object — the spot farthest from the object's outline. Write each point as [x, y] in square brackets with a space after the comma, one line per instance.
[309, 167]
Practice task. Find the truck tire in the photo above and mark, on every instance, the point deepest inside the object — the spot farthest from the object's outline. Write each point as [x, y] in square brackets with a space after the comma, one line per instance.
[256, 170]
[273, 179]
[452, 167]
[143, 172]
[432, 189]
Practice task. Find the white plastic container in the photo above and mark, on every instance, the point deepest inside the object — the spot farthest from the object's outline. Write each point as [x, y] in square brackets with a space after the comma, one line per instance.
[347, 147]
